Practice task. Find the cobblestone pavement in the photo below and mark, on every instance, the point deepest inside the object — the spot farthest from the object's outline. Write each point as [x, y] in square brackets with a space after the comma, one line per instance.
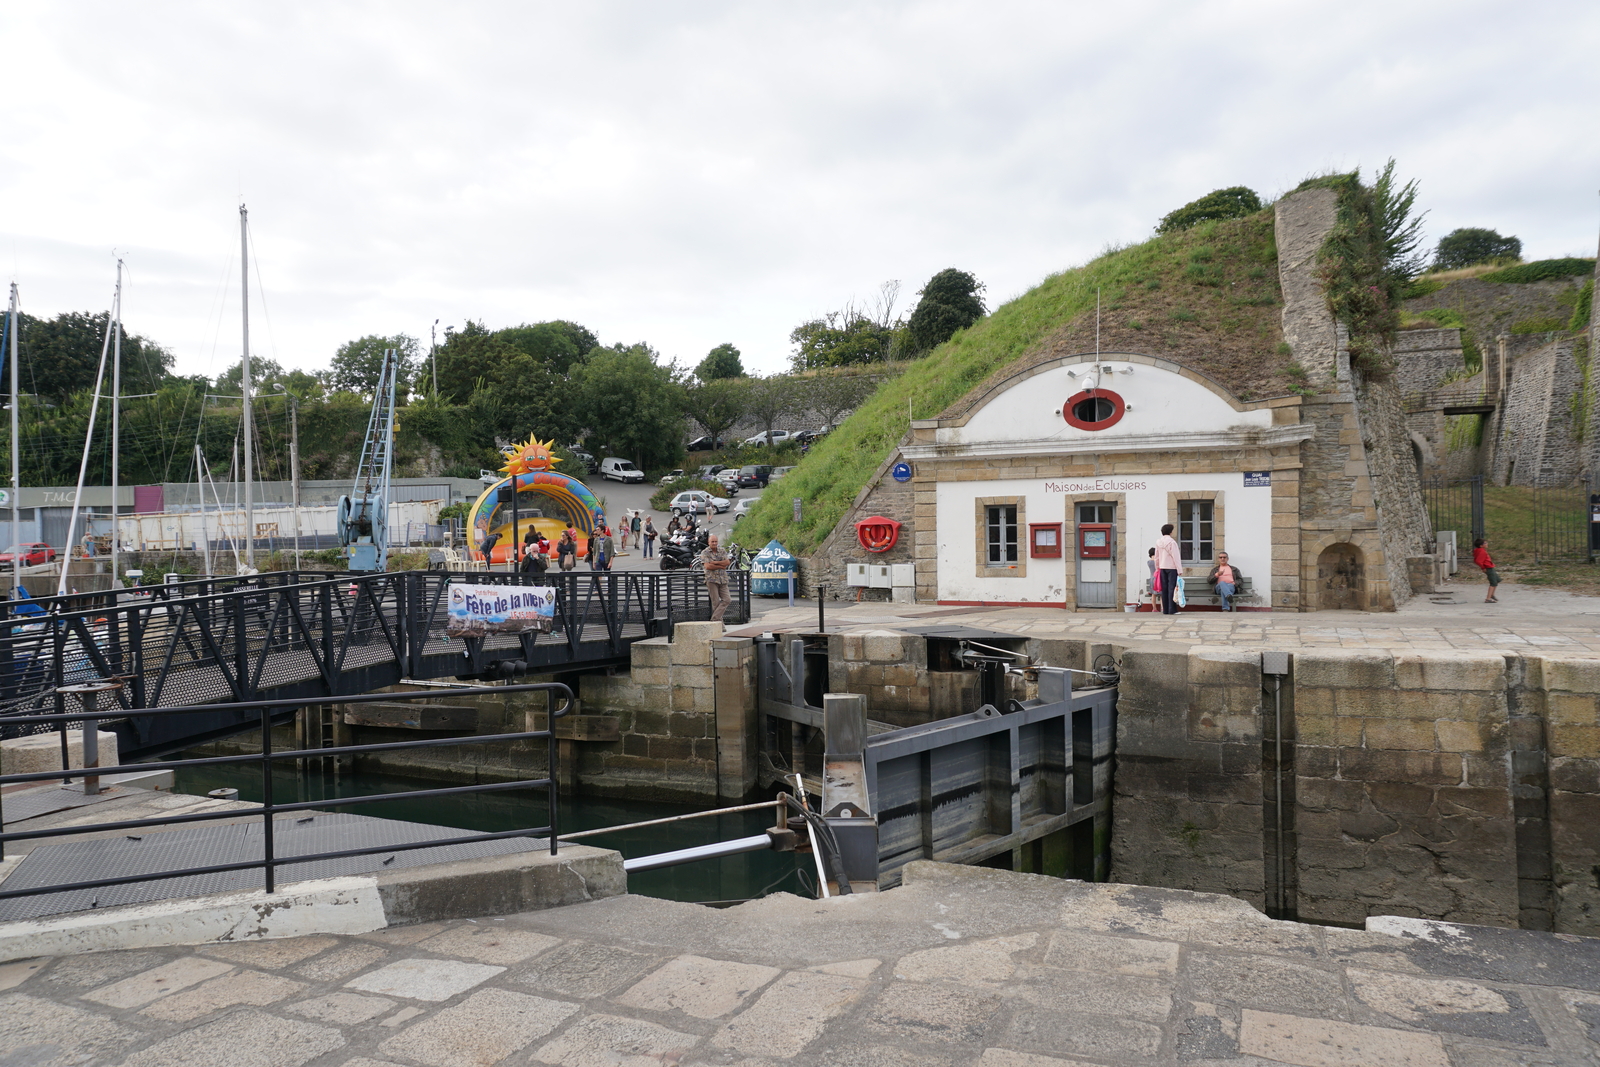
[1527, 619]
[960, 966]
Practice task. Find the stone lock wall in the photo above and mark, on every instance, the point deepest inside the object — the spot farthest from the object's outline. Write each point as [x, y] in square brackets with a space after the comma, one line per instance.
[1536, 435]
[686, 718]
[891, 670]
[1452, 786]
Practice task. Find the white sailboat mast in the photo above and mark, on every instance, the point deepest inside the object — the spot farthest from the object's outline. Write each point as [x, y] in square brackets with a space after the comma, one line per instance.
[116, 428]
[249, 492]
[88, 441]
[16, 452]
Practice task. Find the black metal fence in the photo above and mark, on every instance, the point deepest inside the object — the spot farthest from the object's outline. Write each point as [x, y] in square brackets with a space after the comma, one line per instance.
[1456, 504]
[306, 635]
[1566, 519]
[88, 718]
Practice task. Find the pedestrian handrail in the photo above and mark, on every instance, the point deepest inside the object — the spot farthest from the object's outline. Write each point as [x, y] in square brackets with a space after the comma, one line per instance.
[291, 634]
[89, 718]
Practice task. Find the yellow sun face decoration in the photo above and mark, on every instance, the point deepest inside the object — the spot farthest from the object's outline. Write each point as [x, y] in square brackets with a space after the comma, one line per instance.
[532, 455]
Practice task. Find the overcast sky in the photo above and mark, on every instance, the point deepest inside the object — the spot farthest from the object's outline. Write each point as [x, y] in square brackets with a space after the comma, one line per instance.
[692, 173]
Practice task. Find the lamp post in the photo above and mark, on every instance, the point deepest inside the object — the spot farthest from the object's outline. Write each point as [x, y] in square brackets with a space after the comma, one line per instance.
[294, 462]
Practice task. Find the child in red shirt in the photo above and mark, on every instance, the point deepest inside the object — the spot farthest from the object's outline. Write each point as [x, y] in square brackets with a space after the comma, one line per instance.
[1480, 556]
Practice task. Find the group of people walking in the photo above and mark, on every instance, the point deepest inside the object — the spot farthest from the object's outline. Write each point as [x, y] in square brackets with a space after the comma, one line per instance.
[600, 552]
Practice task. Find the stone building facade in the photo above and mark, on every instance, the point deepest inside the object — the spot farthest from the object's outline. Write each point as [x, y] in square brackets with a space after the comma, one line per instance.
[1049, 486]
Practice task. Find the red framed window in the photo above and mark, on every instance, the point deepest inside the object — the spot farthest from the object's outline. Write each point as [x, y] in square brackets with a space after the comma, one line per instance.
[1093, 409]
[1044, 540]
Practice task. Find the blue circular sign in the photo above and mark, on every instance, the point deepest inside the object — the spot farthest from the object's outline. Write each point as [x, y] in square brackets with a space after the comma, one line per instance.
[902, 472]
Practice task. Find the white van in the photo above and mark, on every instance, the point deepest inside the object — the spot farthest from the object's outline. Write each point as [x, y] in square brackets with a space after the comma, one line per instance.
[620, 470]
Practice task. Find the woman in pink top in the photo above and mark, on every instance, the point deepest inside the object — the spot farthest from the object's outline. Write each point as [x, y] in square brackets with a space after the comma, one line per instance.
[1168, 563]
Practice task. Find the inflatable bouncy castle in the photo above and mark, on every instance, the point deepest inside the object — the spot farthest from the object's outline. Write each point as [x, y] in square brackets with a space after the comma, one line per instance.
[545, 501]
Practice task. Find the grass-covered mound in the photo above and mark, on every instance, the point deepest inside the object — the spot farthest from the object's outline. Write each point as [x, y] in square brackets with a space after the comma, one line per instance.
[1207, 297]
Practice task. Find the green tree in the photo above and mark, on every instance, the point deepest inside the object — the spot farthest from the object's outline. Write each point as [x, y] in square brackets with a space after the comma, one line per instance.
[1470, 246]
[358, 363]
[831, 396]
[530, 397]
[262, 370]
[61, 355]
[632, 405]
[721, 362]
[718, 404]
[1232, 203]
[1398, 229]
[468, 358]
[773, 399]
[558, 343]
[837, 341]
[950, 302]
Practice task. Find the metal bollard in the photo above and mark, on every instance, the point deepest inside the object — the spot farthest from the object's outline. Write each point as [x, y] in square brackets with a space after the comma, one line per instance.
[89, 696]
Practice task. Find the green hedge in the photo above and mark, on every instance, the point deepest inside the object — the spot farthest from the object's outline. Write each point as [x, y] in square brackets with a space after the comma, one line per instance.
[1541, 270]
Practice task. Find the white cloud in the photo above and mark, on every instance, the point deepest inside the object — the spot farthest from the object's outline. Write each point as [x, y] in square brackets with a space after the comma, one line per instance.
[692, 174]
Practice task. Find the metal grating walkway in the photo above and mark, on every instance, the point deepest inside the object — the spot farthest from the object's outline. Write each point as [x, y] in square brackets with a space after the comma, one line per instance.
[201, 846]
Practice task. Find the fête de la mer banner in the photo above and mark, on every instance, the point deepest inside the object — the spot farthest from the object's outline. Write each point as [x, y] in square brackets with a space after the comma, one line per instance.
[479, 610]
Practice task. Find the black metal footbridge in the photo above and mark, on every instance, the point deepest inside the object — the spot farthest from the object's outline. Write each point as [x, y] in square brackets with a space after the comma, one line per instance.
[310, 636]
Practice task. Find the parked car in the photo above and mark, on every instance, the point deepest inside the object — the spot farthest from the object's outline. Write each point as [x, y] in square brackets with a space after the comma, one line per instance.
[709, 471]
[728, 478]
[778, 472]
[704, 444]
[489, 477]
[672, 476]
[754, 475]
[742, 508]
[778, 436]
[806, 437]
[583, 457]
[698, 502]
[32, 553]
[620, 470]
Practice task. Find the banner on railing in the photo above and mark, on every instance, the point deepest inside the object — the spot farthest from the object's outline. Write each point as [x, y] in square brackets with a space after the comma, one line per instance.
[477, 610]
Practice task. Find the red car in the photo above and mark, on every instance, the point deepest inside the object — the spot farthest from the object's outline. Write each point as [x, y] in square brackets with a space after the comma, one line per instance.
[34, 552]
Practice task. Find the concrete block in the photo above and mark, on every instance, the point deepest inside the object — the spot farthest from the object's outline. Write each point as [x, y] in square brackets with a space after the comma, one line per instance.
[1450, 671]
[655, 652]
[688, 698]
[1582, 742]
[42, 752]
[1568, 709]
[886, 646]
[1460, 736]
[651, 675]
[1569, 675]
[697, 677]
[690, 725]
[1340, 731]
[1415, 735]
[1344, 669]
[1224, 666]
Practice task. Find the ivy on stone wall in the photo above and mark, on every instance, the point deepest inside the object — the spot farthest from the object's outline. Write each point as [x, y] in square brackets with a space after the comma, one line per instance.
[1368, 261]
[1582, 399]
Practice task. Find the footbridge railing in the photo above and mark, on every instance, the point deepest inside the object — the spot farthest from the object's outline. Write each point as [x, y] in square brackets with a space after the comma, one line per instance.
[297, 635]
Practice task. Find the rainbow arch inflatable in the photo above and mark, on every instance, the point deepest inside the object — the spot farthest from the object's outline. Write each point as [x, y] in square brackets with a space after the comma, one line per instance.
[547, 501]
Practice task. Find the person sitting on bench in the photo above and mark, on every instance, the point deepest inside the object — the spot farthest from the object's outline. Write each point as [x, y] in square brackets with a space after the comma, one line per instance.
[1227, 579]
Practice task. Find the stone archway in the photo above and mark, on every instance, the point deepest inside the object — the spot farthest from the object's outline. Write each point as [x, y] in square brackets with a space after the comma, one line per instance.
[1341, 578]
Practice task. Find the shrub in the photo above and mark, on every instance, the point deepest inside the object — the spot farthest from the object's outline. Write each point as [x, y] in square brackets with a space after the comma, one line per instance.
[1538, 324]
[1542, 270]
[1231, 203]
[1470, 246]
[1581, 309]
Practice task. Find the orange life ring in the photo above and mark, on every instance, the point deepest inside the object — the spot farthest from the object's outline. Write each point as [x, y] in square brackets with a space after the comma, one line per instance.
[877, 534]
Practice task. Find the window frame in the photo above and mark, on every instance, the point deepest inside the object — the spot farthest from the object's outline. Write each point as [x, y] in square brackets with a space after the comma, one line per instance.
[1004, 568]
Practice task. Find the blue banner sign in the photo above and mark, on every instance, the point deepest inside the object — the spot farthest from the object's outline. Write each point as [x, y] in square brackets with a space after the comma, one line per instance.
[1257, 478]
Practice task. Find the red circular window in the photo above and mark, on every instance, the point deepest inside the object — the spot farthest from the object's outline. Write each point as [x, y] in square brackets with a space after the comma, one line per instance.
[1093, 409]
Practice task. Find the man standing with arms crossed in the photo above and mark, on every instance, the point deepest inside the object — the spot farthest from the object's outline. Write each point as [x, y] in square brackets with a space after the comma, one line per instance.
[716, 563]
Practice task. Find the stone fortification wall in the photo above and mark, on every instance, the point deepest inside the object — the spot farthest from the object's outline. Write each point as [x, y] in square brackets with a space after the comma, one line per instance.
[881, 496]
[1492, 308]
[1403, 525]
[1303, 221]
[1444, 785]
[1536, 429]
[1427, 361]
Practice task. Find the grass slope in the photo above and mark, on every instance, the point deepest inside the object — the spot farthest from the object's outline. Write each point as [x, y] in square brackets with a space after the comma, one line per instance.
[1207, 297]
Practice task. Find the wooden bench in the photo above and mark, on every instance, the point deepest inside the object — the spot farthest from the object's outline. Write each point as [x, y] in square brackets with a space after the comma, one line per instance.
[1198, 593]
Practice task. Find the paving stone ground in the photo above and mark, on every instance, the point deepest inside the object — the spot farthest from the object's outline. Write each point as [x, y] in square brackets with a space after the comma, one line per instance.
[1527, 619]
[960, 966]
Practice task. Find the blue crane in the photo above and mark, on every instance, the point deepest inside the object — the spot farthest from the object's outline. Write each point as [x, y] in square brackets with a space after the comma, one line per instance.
[364, 514]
